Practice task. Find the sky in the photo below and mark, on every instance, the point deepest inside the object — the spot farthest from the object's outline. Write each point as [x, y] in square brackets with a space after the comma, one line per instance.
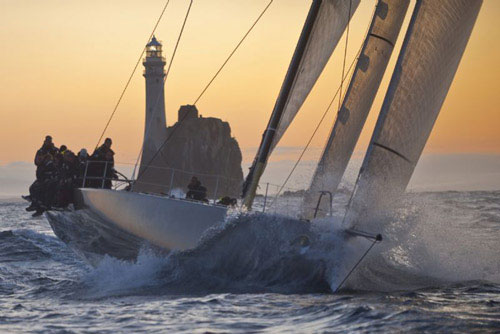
[64, 63]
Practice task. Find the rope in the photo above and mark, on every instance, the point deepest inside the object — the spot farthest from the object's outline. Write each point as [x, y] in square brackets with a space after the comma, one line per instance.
[345, 53]
[159, 151]
[233, 52]
[329, 106]
[132, 74]
[178, 40]
[315, 131]
[355, 266]
[164, 81]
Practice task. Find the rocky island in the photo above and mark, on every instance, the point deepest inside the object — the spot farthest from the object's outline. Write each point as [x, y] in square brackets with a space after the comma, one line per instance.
[196, 146]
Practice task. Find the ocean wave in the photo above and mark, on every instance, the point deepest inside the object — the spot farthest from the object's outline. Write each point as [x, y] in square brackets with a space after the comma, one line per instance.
[434, 239]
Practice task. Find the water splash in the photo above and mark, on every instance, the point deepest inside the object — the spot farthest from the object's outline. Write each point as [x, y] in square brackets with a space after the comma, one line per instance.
[262, 253]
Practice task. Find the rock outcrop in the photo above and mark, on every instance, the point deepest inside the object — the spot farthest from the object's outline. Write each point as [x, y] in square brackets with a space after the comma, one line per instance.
[201, 147]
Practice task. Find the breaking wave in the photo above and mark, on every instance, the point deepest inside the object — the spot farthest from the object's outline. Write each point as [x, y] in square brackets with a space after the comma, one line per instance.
[433, 240]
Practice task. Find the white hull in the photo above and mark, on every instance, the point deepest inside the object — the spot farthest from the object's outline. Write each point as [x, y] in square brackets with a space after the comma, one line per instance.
[165, 222]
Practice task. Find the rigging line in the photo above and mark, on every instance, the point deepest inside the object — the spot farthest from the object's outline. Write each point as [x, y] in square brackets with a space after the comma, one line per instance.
[220, 69]
[158, 151]
[164, 81]
[326, 111]
[315, 131]
[178, 41]
[345, 53]
[355, 266]
[233, 52]
[132, 74]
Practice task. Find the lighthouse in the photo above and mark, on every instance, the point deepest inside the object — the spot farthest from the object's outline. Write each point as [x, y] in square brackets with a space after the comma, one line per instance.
[155, 127]
[155, 122]
[196, 146]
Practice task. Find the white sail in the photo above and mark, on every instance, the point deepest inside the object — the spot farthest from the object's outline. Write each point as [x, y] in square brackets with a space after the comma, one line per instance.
[433, 46]
[325, 23]
[329, 26]
[366, 78]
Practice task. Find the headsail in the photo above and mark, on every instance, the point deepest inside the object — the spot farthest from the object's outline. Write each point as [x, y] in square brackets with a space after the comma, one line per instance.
[366, 78]
[433, 46]
[326, 21]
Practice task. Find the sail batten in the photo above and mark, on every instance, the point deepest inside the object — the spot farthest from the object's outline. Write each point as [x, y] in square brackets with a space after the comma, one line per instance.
[370, 68]
[325, 24]
[432, 50]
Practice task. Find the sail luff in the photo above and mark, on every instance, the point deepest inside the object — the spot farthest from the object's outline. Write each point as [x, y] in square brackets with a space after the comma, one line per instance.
[251, 183]
[324, 26]
[370, 68]
[432, 50]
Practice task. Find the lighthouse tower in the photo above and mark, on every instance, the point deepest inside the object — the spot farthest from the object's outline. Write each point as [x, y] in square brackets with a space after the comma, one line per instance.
[155, 128]
[155, 124]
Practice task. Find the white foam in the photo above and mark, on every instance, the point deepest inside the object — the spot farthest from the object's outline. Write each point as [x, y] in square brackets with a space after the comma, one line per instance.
[114, 277]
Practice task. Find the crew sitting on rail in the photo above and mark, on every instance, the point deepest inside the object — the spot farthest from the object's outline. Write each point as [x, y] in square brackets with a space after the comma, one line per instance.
[47, 147]
[60, 171]
[59, 155]
[102, 165]
[196, 191]
[82, 158]
[67, 179]
[42, 190]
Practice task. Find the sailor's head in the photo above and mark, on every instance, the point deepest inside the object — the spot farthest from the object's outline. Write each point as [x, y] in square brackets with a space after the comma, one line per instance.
[83, 153]
[48, 144]
[108, 142]
[63, 149]
[47, 141]
[194, 179]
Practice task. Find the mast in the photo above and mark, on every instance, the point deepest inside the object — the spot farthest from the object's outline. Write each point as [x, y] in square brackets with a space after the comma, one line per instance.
[432, 50]
[370, 68]
[325, 23]
[260, 161]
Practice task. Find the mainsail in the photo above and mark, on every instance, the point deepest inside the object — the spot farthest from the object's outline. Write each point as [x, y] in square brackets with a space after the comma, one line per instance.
[433, 46]
[325, 24]
[366, 78]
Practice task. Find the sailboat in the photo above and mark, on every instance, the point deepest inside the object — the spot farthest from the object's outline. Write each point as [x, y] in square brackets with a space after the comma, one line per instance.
[433, 46]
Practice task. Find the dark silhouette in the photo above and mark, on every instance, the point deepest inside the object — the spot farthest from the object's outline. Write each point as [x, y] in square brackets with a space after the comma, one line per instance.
[102, 165]
[196, 191]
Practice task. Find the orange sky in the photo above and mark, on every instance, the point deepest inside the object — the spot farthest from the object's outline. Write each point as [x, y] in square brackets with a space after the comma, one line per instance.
[65, 62]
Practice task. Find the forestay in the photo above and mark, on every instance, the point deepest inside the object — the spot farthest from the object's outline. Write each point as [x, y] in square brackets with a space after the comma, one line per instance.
[366, 78]
[433, 46]
[324, 26]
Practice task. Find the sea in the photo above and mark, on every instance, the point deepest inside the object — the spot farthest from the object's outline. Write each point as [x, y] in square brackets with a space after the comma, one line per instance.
[436, 271]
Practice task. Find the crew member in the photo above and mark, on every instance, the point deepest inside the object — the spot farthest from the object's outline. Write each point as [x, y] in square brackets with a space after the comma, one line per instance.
[103, 164]
[196, 191]
[43, 189]
[67, 180]
[47, 147]
[82, 158]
